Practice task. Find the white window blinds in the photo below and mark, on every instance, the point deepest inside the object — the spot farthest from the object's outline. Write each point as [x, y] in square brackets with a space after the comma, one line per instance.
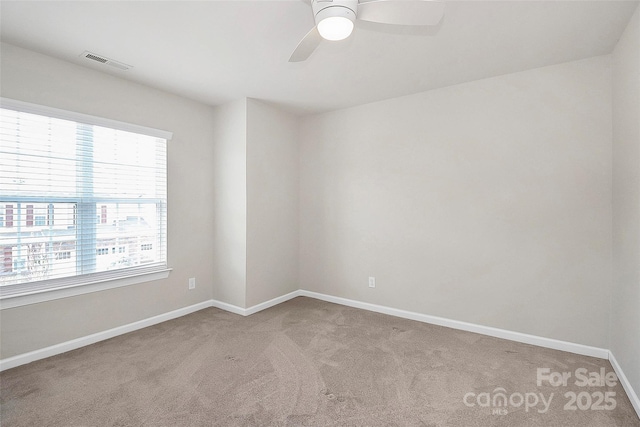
[80, 200]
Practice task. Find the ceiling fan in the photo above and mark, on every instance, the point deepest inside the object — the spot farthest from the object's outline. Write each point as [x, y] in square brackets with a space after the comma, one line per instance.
[335, 19]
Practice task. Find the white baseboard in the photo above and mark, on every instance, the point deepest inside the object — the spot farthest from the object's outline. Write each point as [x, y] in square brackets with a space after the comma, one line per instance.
[228, 307]
[585, 350]
[455, 324]
[464, 326]
[633, 397]
[53, 350]
[256, 308]
[279, 300]
[32, 356]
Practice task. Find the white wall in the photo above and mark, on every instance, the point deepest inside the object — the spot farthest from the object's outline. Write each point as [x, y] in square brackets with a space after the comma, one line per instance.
[229, 215]
[487, 202]
[272, 203]
[625, 301]
[31, 77]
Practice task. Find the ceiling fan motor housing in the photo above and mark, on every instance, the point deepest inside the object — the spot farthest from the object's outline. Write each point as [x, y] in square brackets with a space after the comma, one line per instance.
[326, 9]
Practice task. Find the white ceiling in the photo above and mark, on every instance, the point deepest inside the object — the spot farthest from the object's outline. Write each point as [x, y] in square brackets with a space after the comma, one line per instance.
[217, 51]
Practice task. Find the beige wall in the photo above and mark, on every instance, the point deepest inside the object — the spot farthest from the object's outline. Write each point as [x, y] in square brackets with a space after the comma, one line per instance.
[256, 211]
[31, 77]
[272, 203]
[625, 301]
[487, 202]
[229, 214]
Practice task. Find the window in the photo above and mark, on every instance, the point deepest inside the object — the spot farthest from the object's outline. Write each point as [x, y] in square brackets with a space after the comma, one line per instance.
[72, 189]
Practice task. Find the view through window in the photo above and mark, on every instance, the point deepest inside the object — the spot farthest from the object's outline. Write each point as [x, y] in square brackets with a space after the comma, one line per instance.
[78, 199]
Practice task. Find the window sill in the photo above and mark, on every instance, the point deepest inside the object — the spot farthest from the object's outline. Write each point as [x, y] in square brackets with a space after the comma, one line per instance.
[80, 289]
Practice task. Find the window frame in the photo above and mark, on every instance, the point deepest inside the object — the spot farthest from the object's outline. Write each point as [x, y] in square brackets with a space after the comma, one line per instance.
[82, 284]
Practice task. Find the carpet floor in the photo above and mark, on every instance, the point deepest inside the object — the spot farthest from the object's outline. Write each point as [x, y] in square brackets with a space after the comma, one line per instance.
[311, 363]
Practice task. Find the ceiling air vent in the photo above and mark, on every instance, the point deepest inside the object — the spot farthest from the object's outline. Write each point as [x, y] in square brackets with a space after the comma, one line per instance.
[106, 61]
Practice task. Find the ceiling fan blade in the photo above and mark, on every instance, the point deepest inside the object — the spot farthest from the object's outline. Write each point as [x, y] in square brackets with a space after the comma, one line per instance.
[307, 45]
[402, 12]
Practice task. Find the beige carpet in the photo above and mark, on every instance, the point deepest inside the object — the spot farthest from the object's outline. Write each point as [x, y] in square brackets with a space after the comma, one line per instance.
[306, 363]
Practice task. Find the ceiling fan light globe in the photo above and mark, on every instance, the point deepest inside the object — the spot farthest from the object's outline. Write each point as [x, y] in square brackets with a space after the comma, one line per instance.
[335, 28]
[335, 22]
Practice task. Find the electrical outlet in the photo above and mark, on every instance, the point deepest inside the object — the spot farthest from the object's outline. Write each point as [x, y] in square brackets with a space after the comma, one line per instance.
[372, 282]
[192, 283]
